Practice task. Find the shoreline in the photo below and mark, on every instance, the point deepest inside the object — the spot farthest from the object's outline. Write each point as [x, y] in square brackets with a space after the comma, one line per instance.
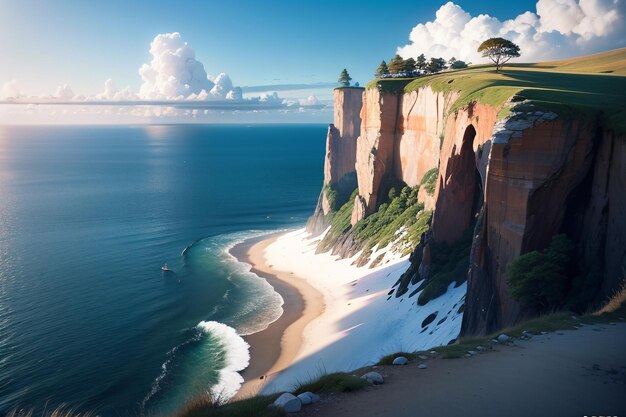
[275, 348]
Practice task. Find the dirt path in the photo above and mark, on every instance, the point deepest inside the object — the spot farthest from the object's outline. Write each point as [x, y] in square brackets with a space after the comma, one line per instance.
[570, 373]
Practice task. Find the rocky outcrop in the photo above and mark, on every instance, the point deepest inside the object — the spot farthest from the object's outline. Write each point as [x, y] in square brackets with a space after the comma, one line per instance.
[399, 141]
[518, 182]
[340, 158]
[374, 151]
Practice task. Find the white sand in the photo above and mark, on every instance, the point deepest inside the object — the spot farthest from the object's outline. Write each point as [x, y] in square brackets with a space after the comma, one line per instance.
[359, 325]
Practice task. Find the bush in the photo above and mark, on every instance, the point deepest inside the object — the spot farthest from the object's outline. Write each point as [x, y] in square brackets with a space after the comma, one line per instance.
[339, 223]
[331, 197]
[430, 180]
[538, 279]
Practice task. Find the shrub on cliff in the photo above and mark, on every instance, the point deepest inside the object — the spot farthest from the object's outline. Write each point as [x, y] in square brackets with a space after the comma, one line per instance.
[331, 196]
[429, 180]
[539, 279]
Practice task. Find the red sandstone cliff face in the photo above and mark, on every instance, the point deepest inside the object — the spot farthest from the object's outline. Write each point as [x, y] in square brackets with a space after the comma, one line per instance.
[526, 179]
[399, 139]
[339, 162]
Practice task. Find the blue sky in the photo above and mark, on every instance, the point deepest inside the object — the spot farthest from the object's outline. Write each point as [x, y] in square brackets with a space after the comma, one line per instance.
[77, 61]
[46, 43]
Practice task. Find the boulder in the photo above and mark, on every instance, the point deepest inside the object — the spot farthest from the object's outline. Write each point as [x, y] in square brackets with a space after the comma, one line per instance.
[422, 366]
[305, 398]
[400, 360]
[424, 357]
[503, 338]
[314, 397]
[288, 402]
[374, 377]
[472, 352]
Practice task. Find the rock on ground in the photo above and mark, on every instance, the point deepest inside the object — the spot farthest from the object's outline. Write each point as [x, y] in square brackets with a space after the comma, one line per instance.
[400, 360]
[288, 402]
[503, 338]
[374, 377]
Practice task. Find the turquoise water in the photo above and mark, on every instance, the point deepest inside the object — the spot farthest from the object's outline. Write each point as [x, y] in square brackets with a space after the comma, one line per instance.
[87, 217]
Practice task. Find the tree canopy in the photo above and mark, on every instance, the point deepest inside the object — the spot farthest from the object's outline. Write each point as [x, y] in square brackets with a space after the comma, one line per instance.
[382, 69]
[396, 65]
[499, 50]
[409, 65]
[344, 78]
[420, 64]
[436, 65]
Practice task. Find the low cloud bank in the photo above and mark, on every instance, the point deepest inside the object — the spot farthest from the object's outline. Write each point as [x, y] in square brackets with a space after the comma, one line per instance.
[174, 75]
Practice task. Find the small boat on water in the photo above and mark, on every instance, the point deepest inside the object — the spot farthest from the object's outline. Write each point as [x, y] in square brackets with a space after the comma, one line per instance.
[165, 268]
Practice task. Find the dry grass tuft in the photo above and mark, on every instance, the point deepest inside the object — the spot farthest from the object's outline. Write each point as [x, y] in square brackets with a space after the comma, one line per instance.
[614, 303]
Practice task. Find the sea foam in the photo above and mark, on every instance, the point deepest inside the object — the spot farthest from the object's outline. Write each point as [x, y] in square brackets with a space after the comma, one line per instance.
[237, 358]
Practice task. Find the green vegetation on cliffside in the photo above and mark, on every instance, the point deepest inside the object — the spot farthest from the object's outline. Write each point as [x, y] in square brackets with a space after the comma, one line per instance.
[399, 221]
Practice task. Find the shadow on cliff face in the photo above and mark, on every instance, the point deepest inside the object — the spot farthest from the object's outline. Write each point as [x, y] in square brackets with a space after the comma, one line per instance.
[460, 192]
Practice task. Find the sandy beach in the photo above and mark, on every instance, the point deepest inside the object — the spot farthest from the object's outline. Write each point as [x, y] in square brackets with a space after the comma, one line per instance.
[337, 316]
[275, 348]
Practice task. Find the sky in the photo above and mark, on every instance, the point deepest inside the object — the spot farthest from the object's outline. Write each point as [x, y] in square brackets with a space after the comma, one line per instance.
[69, 49]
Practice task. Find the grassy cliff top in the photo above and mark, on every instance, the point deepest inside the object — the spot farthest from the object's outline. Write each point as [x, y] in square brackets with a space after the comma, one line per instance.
[585, 86]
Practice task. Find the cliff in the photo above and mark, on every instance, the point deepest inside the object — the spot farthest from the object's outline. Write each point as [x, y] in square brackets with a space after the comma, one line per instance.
[339, 161]
[521, 156]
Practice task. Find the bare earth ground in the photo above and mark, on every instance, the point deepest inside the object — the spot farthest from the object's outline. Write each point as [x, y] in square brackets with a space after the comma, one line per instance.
[571, 373]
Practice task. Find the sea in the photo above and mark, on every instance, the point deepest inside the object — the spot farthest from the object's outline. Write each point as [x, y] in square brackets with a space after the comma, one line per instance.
[90, 214]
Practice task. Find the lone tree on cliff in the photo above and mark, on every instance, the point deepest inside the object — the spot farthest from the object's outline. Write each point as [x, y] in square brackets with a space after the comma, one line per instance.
[499, 50]
[344, 78]
[382, 69]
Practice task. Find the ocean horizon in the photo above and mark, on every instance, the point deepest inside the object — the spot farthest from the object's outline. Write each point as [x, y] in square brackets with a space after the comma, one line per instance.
[89, 216]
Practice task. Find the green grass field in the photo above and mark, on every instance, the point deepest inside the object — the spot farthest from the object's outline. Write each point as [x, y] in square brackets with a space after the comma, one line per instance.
[589, 86]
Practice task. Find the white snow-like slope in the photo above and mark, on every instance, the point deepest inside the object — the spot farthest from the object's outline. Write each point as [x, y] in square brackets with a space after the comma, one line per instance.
[360, 324]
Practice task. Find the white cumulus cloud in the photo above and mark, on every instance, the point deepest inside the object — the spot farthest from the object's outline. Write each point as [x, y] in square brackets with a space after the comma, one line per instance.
[10, 89]
[557, 29]
[310, 101]
[111, 93]
[64, 92]
[174, 71]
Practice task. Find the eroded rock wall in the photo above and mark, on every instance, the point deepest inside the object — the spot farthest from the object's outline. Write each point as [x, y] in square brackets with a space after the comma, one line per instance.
[399, 141]
[340, 157]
